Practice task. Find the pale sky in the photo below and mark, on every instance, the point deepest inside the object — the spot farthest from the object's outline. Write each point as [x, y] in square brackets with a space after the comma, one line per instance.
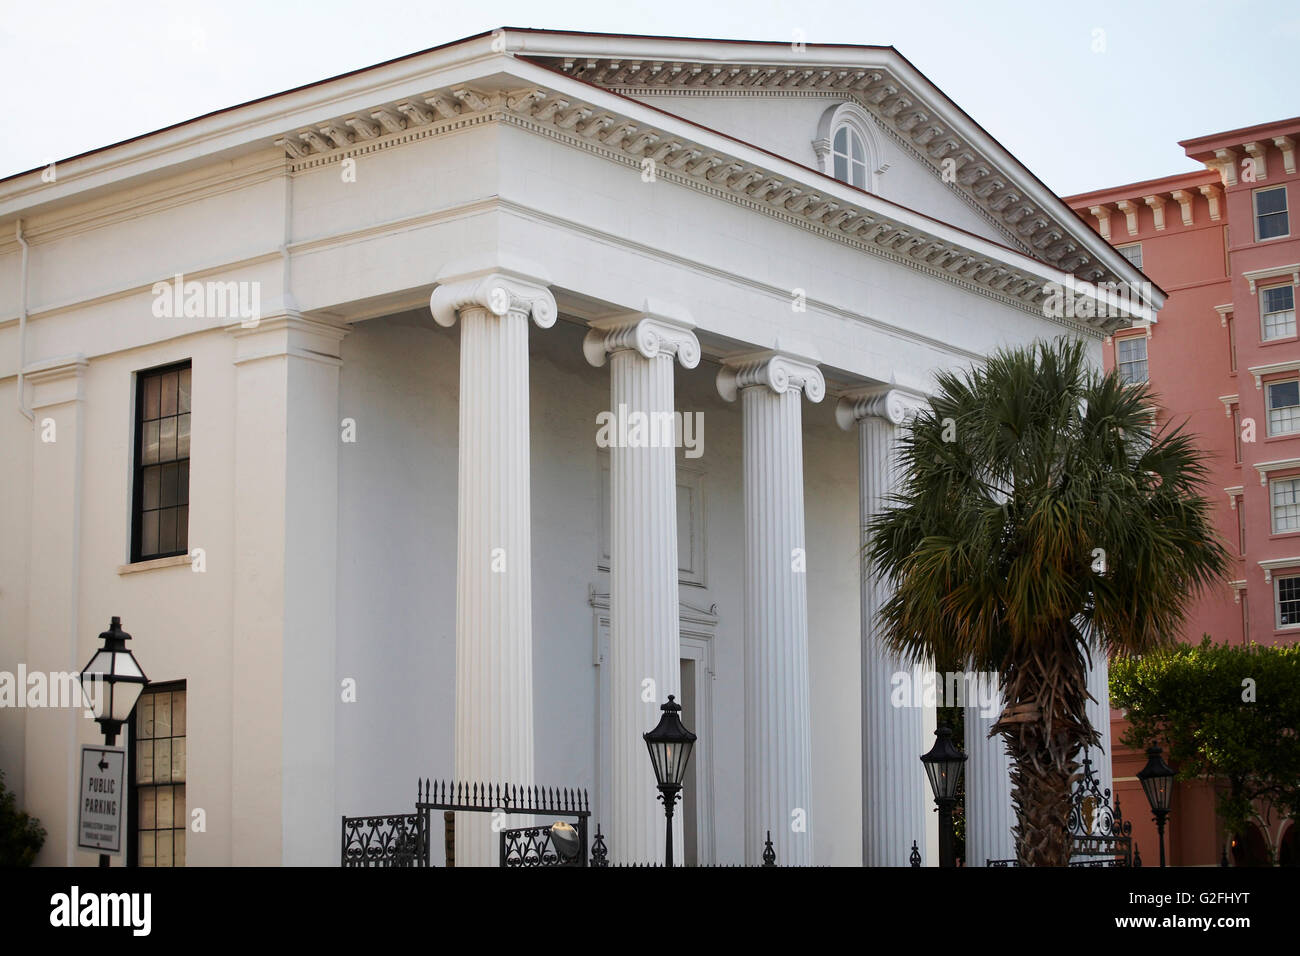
[1086, 95]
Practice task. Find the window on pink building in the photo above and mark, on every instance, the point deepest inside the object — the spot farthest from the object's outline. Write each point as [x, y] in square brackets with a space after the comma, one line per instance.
[1232, 344]
[1285, 493]
[1283, 407]
[1277, 309]
[1241, 525]
[1287, 599]
[1270, 213]
[1131, 358]
[1236, 433]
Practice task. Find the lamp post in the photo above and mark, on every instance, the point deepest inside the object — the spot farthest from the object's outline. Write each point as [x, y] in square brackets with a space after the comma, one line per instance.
[120, 680]
[943, 765]
[670, 745]
[1158, 781]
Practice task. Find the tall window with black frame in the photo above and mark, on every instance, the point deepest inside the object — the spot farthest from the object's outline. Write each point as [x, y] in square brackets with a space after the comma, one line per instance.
[161, 497]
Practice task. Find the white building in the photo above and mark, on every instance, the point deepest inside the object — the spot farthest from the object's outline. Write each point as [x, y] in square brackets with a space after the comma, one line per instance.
[418, 286]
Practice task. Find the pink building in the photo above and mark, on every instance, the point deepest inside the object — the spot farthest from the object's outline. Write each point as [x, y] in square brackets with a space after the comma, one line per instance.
[1224, 356]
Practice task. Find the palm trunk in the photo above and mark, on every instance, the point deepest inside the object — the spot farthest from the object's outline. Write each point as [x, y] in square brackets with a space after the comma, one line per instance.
[1045, 725]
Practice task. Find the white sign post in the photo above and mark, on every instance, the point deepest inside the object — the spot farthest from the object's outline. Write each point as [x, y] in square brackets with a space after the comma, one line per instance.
[102, 799]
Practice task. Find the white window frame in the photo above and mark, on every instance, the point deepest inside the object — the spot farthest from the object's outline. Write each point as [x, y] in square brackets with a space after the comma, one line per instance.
[1131, 245]
[1268, 406]
[857, 120]
[1146, 358]
[1272, 504]
[1263, 316]
[1277, 601]
[1286, 210]
[856, 169]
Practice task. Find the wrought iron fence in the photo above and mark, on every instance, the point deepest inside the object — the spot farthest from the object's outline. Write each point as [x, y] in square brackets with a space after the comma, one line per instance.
[390, 841]
[1099, 834]
[600, 856]
[401, 840]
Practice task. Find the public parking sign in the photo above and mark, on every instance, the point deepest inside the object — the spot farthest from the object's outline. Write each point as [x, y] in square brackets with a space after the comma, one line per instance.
[103, 795]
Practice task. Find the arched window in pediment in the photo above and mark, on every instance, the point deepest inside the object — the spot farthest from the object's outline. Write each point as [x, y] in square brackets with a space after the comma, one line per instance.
[846, 146]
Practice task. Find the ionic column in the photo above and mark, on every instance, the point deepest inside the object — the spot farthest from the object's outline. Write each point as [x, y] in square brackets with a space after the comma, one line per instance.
[494, 610]
[778, 734]
[989, 813]
[896, 799]
[644, 637]
[1098, 710]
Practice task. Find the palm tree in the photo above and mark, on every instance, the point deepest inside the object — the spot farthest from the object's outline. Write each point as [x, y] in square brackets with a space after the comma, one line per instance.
[1041, 519]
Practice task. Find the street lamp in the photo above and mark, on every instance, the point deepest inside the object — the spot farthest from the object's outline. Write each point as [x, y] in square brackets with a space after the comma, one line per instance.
[1158, 781]
[670, 745]
[943, 765]
[119, 682]
[120, 679]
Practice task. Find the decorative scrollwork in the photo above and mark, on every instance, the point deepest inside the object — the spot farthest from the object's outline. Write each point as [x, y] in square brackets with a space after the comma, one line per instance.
[390, 841]
[531, 846]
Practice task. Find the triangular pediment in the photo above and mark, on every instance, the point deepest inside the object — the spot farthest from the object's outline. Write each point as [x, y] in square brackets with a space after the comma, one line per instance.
[941, 162]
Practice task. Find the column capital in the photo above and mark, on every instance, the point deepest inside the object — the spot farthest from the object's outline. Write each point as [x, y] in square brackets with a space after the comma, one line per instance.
[658, 329]
[779, 371]
[896, 405]
[500, 288]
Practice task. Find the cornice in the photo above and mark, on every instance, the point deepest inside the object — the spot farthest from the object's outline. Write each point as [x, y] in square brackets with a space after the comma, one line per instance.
[929, 132]
[782, 189]
[806, 198]
[180, 191]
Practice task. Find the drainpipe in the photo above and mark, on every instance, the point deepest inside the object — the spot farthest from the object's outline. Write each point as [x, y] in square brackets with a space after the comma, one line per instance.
[22, 327]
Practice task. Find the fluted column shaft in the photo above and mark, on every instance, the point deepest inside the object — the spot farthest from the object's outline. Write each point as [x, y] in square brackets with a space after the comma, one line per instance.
[896, 798]
[778, 724]
[989, 813]
[494, 637]
[645, 644]
[1098, 710]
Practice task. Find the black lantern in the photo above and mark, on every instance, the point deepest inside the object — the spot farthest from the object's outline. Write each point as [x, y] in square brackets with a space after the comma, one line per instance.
[943, 765]
[1157, 779]
[566, 841]
[119, 678]
[670, 745]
